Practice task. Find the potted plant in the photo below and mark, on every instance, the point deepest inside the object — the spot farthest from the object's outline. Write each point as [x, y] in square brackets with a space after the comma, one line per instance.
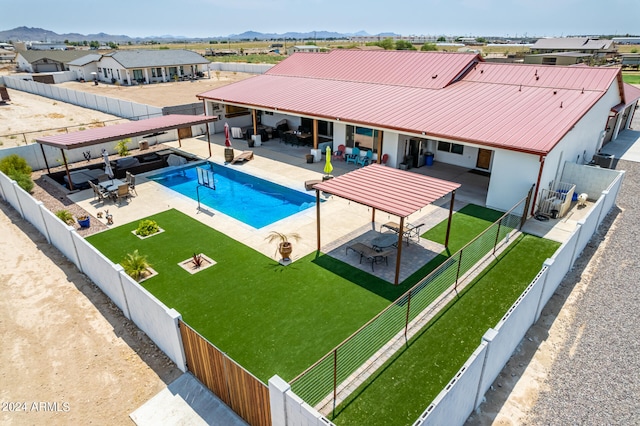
[84, 221]
[284, 245]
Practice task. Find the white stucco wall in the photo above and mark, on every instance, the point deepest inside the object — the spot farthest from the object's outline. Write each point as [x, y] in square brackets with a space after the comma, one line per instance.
[512, 175]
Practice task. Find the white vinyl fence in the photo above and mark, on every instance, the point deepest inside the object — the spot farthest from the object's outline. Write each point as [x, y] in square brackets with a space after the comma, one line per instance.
[148, 313]
[117, 107]
[461, 396]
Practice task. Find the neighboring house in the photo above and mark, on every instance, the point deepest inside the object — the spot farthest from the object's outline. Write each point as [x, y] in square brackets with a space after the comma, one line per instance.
[86, 67]
[35, 45]
[149, 66]
[598, 48]
[306, 48]
[7, 55]
[560, 58]
[36, 61]
[630, 60]
[626, 40]
[518, 122]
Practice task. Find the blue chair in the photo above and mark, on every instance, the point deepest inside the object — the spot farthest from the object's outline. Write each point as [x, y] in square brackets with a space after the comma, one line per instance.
[353, 157]
[364, 160]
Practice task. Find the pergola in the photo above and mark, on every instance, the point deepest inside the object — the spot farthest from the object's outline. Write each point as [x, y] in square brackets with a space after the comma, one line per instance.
[397, 192]
[121, 131]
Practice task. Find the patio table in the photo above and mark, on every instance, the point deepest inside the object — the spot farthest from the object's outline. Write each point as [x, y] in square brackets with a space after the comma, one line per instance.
[384, 240]
[111, 185]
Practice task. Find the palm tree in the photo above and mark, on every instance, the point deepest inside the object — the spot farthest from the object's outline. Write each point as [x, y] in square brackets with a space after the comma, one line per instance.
[135, 265]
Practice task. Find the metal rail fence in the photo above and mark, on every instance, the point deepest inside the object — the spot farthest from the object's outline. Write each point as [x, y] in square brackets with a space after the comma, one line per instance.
[336, 375]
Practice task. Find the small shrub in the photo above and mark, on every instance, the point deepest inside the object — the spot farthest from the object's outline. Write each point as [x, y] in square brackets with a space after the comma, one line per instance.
[17, 168]
[135, 264]
[147, 227]
[197, 260]
[122, 148]
[65, 216]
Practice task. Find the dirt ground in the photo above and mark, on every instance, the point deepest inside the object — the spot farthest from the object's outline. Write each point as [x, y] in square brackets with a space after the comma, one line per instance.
[19, 117]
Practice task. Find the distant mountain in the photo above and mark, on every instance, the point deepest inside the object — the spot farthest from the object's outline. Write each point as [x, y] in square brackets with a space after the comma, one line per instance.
[39, 34]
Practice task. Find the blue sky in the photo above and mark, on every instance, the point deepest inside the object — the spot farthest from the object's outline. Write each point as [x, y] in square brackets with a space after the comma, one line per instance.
[211, 18]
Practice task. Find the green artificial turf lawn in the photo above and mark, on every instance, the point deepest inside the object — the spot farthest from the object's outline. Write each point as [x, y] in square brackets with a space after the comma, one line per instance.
[407, 384]
[271, 319]
[631, 78]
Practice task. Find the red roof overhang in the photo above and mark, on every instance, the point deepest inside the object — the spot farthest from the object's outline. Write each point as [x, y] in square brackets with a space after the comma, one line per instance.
[124, 130]
[390, 190]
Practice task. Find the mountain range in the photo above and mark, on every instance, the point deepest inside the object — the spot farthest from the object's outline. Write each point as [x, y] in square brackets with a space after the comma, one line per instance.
[39, 34]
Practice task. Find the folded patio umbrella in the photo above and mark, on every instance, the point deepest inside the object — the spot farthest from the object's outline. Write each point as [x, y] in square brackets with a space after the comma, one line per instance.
[328, 168]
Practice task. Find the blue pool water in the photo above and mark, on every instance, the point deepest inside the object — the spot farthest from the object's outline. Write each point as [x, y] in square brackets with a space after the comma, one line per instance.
[249, 199]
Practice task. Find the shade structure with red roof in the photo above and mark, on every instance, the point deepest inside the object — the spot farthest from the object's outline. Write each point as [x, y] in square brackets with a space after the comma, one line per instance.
[392, 191]
[121, 131]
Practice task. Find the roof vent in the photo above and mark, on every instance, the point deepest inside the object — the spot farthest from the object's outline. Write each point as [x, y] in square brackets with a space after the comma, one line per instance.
[434, 76]
[481, 71]
[555, 92]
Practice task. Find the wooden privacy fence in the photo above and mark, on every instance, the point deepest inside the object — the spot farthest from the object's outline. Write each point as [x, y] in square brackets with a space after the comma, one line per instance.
[235, 386]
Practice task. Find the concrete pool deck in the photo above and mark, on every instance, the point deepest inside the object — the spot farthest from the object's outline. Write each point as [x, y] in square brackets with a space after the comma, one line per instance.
[342, 222]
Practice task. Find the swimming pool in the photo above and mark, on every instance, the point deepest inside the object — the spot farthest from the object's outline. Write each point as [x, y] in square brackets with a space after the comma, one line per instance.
[249, 199]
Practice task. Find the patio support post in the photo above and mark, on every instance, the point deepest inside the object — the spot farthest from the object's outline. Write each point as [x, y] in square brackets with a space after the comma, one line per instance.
[208, 135]
[315, 133]
[399, 256]
[373, 216]
[45, 158]
[254, 118]
[446, 239]
[380, 136]
[318, 217]
[66, 166]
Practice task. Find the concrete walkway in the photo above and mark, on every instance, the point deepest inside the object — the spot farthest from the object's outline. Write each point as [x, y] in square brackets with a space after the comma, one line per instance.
[187, 402]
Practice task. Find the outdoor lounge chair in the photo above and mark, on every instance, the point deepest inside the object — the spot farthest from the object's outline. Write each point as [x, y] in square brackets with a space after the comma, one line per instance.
[365, 160]
[242, 157]
[409, 232]
[369, 254]
[353, 157]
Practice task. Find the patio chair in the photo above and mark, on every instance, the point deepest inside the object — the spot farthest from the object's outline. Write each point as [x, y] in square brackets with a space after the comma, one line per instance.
[353, 157]
[121, 192]
[131, 181]
[365, 160]
[98, 192]
[369, 254]
[409, 231]
[339, 154]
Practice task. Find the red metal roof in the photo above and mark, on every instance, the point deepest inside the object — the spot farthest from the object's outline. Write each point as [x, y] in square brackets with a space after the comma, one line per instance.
[390, 190]
[631, 93]
[124, 130]
[432, 70]
[497, 105]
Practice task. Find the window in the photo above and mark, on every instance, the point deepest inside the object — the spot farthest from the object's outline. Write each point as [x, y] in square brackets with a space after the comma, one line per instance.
[235, 111]
[453, 148]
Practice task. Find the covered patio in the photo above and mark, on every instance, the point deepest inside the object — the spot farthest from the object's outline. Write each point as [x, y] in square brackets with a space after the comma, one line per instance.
[117, 132]
[392, 191]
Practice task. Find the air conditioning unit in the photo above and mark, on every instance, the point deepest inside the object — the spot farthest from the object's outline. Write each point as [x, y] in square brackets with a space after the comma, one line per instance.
[604, 160]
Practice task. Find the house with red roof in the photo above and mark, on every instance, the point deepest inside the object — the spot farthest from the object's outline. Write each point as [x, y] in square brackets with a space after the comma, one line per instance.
[518, 122]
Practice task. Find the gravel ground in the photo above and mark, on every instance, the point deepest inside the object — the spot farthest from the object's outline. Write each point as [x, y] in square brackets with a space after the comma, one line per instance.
[594, 379]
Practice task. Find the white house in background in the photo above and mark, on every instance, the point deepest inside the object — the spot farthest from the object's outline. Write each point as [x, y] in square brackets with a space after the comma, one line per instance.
[86, 67]
[305, 48]
[37, 61]
[518, 122]
[150, 66]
